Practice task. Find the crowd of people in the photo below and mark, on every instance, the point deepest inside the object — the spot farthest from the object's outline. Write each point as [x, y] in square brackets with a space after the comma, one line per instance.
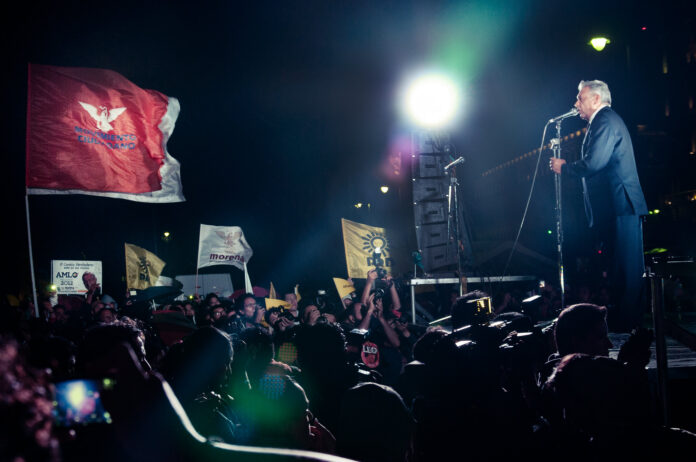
[219, 378]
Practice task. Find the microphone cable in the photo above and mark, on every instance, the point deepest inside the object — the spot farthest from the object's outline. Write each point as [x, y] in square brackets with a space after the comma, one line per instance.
[526, 207]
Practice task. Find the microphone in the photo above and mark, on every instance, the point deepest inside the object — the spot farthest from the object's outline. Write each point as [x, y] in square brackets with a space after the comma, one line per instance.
[453, 163]
[572, 113]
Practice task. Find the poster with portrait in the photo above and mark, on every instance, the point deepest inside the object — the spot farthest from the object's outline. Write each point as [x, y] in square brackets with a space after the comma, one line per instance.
[69, 275]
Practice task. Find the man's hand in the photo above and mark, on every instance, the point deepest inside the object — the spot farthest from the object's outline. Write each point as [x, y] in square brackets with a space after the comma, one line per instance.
[379, 312]
[371, 304]
[283, 323]
[556, 164]
[371, 275]
[635, 352]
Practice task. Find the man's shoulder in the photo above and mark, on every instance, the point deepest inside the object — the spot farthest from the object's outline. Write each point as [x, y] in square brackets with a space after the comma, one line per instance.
[607, 115]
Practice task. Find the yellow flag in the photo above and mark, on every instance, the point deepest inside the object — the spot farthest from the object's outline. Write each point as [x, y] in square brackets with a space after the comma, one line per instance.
[343, 287]
[143, 267]
[274, 302]
[272, 292]
[297, 292]
[366, 247]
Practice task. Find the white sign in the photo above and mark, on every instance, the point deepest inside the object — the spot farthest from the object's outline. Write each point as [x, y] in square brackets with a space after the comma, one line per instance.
[67, 275]
[223, 245]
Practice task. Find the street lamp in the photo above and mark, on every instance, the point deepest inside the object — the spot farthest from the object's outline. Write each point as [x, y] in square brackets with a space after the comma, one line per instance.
[598, 43]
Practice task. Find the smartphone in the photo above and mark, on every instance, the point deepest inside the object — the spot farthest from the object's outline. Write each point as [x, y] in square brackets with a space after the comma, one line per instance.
[79, 402]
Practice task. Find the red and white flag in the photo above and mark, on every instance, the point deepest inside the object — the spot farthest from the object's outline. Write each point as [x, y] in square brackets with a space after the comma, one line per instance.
[92, 131]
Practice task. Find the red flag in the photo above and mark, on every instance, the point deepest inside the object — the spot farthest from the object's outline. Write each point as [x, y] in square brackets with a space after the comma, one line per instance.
[92, 131]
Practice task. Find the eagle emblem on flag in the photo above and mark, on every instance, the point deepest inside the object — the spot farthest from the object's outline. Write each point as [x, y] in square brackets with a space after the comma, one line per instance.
[103, 115]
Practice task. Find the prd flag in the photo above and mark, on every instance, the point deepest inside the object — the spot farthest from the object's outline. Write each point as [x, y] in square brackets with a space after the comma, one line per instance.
[223, 245]
[344, 287]
[366, 247]
[92, 131]
[143, 267]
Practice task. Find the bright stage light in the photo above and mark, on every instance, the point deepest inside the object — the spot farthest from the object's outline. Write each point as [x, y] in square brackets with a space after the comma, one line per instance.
[598, 43]
[77, 394]
[384, 189]
[430, 100]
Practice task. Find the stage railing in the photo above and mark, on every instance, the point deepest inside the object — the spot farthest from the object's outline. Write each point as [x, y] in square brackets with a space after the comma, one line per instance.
[664, 326]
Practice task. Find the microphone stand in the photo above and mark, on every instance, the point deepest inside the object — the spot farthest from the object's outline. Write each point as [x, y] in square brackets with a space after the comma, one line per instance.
[453, 216]
[556, 146]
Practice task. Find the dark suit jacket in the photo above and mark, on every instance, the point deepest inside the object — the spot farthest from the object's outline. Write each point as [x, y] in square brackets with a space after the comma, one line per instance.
[607, 158]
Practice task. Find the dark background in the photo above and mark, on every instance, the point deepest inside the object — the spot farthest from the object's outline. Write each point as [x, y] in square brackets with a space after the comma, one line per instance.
[288, 115]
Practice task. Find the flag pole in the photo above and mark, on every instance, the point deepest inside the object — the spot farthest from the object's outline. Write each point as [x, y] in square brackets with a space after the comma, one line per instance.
[198, 260]
[31, 258]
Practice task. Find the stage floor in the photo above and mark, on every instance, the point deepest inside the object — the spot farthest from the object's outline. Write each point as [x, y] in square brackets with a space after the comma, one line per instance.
[679, 357]
[681, 373]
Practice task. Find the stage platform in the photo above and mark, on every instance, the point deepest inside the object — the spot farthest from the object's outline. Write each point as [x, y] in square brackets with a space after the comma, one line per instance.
[680, 358]
[681, 374]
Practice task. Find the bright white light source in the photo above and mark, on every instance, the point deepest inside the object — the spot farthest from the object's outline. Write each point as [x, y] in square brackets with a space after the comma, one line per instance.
[77, 394]
[598, 43]
[430, 100]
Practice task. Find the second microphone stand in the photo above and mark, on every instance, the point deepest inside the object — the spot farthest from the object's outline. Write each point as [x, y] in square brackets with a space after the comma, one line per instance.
[556, 146]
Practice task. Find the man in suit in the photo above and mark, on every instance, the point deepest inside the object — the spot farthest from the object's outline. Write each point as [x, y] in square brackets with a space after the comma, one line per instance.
[607, 167]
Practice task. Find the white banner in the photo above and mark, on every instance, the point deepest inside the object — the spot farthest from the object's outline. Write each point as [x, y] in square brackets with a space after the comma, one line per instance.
[67, 275]
[223, 245]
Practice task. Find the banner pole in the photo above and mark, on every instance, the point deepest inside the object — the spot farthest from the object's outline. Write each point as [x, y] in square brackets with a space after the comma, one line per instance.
[198, 260]
[31, 258]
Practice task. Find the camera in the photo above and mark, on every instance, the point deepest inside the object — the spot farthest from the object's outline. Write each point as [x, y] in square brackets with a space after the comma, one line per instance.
[379, 293]
[381, 272]
[286, 314]
[320, 299]
[356, 337]
[483, 306]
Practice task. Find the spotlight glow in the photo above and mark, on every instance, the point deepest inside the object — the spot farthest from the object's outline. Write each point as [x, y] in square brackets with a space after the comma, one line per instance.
[384, 189]
[430, 100]
[598, 43]
[77, 394]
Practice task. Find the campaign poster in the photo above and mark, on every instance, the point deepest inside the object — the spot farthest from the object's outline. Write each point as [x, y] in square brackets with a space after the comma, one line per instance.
[69, 275]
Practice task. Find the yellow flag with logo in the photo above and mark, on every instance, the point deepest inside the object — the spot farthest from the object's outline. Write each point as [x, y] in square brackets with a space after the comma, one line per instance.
[366, 247]
[143, 267]
[343, 287]
[276, 303]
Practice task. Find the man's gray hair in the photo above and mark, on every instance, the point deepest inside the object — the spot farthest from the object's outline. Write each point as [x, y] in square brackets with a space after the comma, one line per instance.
[598, 87]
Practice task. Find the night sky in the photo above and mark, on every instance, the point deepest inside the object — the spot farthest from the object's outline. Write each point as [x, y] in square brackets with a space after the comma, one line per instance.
[288, 115]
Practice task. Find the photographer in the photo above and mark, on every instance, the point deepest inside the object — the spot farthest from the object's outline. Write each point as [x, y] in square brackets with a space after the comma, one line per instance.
[376, 321]
[372, 277]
